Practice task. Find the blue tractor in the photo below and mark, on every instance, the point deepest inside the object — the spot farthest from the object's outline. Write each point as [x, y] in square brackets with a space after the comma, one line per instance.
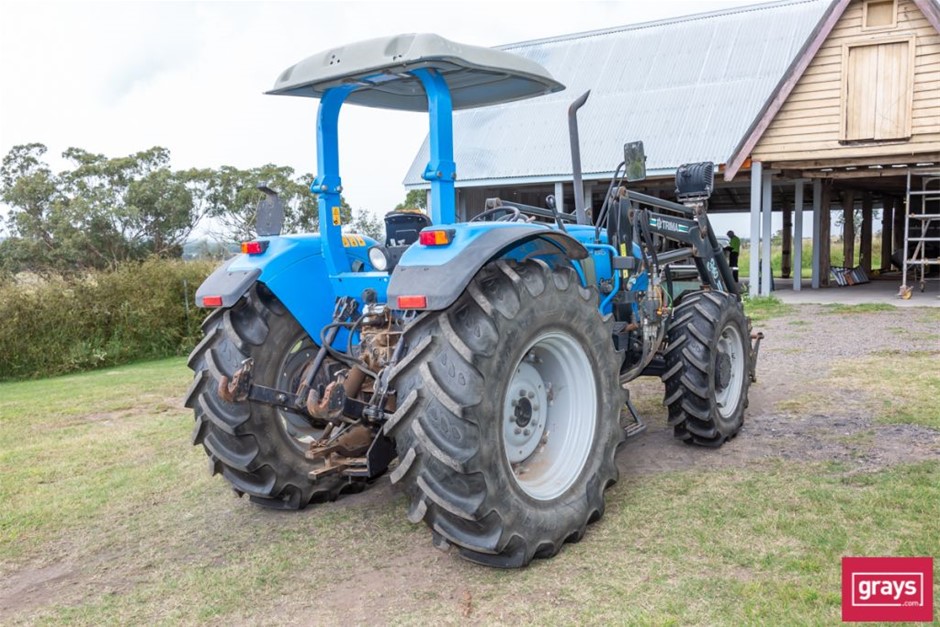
[482, 363]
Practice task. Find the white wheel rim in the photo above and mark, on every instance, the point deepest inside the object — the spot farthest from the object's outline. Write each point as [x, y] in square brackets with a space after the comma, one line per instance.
[549, 415]
[727, 394]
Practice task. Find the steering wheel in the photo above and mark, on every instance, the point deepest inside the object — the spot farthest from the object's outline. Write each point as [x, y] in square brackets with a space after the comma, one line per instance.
[512, 215]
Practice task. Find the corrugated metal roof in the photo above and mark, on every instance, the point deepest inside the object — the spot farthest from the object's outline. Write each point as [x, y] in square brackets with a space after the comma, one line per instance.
[688, 87]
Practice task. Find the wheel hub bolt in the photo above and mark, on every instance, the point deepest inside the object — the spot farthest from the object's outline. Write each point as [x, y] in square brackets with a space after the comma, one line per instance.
[517, 430]
[521, 393]
[531, 395]
[527, 432]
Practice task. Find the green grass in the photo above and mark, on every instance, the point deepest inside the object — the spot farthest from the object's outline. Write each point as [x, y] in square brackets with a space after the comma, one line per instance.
[899, 387]
[836, 255]
[99, 479]
[891, 386]
[860, 308]
[765, 307]
[733, 547]
[74, 459]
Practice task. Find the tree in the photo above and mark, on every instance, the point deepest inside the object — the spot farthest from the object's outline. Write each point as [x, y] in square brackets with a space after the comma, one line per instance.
[101, 212]
[128, 207]
[104, 211]
[856, 222]
[364, 223]
[234, 199]
[414, 199]
[39, 224]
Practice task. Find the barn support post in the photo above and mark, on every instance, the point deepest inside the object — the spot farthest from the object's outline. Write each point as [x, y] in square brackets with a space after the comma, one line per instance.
[798, 235]
[461, 204]
[899, 210]
[786, 240]
[864, 255]
[560, 196]
[887, 224]
[817, 231]
[848, 228]
[754, 244]
[825, 234]
[766, 234]
[588, 199]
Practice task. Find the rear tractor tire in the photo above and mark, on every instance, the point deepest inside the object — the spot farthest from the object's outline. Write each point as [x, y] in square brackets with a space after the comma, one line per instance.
[707, 368]
[258, 448]
[508, 415]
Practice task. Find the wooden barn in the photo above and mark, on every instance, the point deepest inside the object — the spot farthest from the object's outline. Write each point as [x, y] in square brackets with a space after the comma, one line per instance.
[857, 115]
[803, 105]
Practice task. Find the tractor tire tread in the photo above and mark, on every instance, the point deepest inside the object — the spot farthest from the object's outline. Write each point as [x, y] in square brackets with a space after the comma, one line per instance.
[241, 439]
[689, 353]
[443, 467]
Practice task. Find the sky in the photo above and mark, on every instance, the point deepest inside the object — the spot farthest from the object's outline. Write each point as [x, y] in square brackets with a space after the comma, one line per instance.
[120, 77]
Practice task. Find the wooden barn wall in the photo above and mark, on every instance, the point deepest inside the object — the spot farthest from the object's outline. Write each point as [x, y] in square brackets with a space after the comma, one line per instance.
[810, 123]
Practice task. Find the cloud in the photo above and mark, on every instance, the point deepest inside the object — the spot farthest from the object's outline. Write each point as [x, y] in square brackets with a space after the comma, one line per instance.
[145, 42]
[141, 69]
[116, 78]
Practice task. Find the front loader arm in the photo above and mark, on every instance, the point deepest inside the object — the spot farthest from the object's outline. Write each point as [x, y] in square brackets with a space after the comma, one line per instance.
[694, 230]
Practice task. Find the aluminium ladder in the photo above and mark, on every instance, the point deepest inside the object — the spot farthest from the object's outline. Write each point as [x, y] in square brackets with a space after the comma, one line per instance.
[920, 229]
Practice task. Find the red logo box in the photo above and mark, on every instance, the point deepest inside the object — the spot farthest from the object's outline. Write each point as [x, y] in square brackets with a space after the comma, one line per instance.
[887, 589]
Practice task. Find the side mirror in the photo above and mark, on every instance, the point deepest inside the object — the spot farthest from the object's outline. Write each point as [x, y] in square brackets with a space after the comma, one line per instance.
[635, 159]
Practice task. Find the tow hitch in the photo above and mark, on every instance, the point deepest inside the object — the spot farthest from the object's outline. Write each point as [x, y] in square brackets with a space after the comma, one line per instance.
[357, 449]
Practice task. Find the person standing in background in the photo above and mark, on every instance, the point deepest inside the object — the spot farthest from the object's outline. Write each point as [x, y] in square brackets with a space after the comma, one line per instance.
[733, 249]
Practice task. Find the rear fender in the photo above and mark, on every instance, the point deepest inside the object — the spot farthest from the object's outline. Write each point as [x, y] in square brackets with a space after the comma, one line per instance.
[293, 268]
[441, 273]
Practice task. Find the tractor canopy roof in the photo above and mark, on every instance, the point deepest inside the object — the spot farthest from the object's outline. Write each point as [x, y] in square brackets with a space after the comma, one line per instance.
[476, 76]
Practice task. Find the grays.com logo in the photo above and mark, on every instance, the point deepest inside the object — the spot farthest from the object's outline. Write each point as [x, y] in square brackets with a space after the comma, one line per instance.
[887, 589]
[890, 589]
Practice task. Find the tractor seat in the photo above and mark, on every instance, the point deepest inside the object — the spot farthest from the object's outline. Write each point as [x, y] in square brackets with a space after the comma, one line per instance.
[402, 227]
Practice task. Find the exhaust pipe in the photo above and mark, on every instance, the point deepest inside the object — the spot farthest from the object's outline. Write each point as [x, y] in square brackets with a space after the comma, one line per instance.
[576, 157]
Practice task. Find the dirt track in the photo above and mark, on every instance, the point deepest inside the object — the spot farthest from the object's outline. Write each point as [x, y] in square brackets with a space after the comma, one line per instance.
[794, 412]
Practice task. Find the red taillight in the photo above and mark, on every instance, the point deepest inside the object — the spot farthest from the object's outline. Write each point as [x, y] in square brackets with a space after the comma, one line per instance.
[254, 248]
[436, 237]
[211, 301]
[412, 302]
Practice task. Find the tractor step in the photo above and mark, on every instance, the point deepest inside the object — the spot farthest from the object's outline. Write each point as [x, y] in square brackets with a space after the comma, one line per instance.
[635, 428]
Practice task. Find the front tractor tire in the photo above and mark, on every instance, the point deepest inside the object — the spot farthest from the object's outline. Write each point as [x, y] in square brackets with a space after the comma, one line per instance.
[259, 449]
[508, 415]
[707, 368]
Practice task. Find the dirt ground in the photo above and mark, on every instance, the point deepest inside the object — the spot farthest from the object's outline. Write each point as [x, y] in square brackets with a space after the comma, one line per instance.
[795, 413]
